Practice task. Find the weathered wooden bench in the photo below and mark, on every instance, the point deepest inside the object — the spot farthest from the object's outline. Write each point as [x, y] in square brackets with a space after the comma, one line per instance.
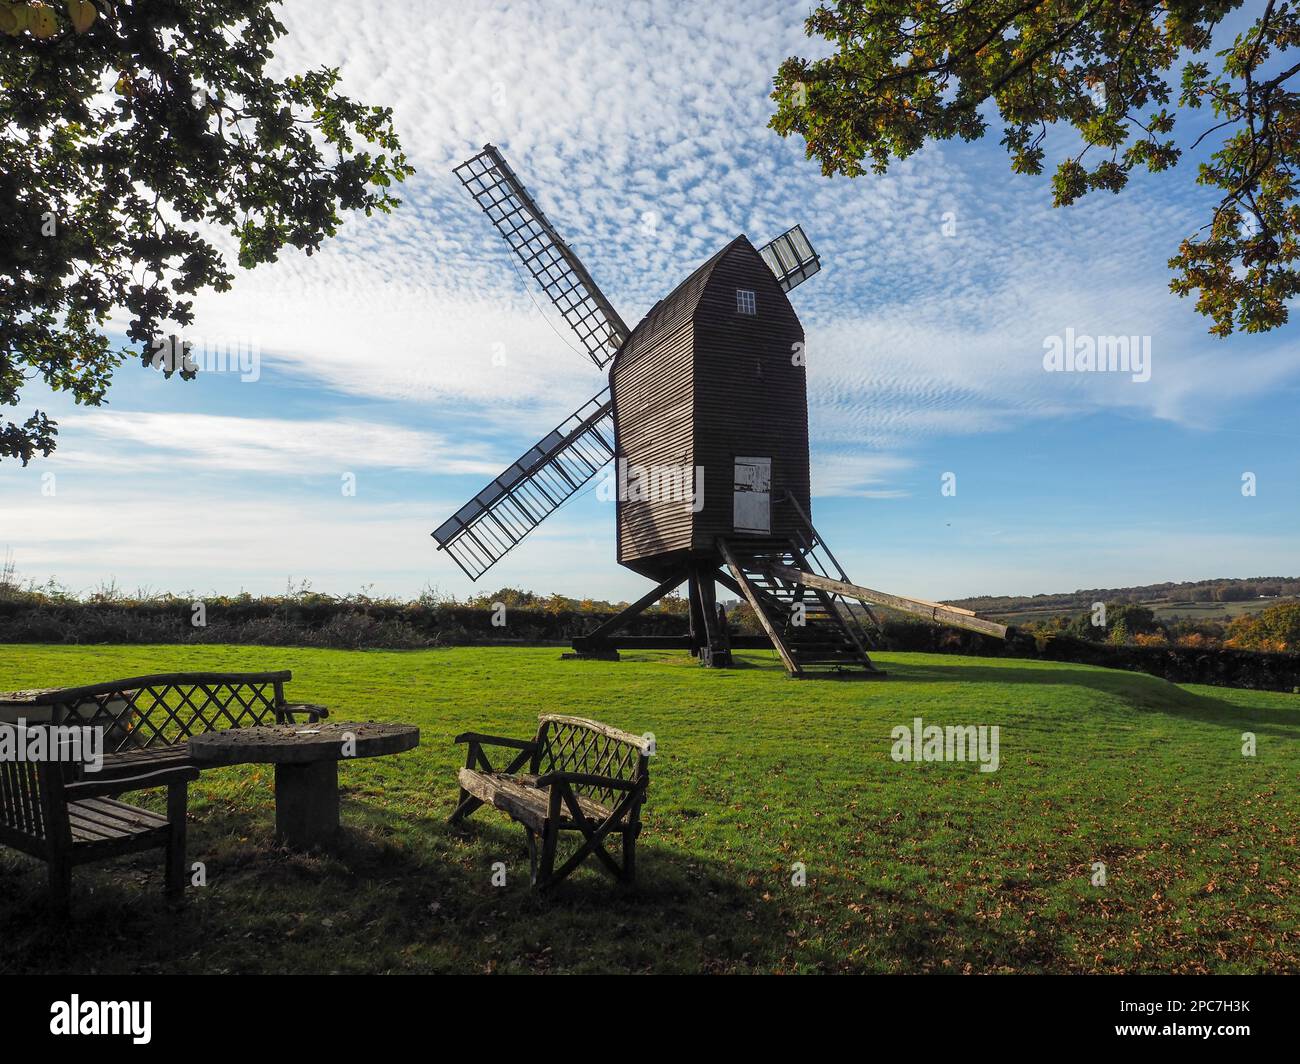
[147, 721]
[575, 775]
[56, 811]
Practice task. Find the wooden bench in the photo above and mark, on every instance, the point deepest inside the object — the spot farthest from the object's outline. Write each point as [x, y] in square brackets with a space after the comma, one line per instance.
[575, 775]
[147, 721]
[58, 812]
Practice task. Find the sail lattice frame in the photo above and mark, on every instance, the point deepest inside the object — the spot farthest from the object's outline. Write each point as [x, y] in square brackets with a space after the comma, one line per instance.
[487, 527]
[791, 258]
[551, 261]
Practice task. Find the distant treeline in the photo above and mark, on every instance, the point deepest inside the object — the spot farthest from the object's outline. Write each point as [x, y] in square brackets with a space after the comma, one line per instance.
[1273, 629]
[1222, 590]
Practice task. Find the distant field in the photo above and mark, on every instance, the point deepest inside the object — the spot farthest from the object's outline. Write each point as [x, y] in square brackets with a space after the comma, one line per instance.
[1211, 610]
[910, 867]
[1164, 609]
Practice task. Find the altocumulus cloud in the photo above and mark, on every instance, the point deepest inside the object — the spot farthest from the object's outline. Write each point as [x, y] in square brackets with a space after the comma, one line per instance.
[642, 133]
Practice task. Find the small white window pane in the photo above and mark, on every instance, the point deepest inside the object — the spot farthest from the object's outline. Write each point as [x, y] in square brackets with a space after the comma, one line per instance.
[746, 302]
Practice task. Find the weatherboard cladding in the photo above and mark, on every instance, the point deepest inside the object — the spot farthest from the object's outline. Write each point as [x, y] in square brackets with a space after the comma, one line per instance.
[654, 405]
[751, 399]
[698, 384]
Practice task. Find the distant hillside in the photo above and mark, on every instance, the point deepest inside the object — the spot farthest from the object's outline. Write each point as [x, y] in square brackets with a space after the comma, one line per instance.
[1192, 599]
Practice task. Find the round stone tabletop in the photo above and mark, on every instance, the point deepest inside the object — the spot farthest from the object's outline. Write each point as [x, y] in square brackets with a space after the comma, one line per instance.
[24, 698]
[299, 744]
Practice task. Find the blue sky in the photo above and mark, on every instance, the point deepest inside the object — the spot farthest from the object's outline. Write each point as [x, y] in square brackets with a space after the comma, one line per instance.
[411, 355]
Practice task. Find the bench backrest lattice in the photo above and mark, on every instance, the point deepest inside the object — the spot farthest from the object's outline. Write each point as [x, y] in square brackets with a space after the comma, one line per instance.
[22, 812]
[153, 711]
[573, 744]
[57, 808]
[32, 805]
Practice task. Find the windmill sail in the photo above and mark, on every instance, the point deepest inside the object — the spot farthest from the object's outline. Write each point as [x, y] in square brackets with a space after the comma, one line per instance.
[791, 258]
[482, 531]
[549, 259]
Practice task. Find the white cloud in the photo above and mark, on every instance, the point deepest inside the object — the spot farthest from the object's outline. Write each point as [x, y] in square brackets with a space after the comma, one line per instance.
[188, 540]
[853, 473]
[165, 442]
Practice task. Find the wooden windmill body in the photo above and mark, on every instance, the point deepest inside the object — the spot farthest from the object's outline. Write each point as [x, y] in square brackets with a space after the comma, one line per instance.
[702, 385]
[705, 421]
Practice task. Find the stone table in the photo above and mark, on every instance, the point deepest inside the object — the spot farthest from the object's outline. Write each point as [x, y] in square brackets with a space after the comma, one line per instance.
[306, 759]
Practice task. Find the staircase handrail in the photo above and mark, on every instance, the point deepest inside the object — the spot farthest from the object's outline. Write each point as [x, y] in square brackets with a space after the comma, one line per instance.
[815, 544]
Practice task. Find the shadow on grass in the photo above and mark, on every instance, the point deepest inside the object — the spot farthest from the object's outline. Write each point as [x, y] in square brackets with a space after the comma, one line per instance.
[424, 901]
[847, 676]
[1136, 689]
[685, 660]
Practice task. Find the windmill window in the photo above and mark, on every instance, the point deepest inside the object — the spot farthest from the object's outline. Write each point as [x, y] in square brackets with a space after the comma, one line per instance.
[746, 301]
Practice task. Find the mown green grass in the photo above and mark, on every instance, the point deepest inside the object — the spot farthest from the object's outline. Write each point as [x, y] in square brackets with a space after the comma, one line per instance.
[910, 867]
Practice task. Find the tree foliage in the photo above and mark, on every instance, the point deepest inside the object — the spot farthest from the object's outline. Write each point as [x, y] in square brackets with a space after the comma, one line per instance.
[1276, 628]
[133, 134]
[902, 72]
[1126, 621]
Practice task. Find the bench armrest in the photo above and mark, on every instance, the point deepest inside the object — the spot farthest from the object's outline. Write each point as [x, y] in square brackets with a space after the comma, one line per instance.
[495, 740]
[159, 777]
[285, 714]
[587, 779]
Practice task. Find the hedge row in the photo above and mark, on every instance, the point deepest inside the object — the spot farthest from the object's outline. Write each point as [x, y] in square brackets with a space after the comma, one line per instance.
[416, 626]
[1221, 668]
[319, 624]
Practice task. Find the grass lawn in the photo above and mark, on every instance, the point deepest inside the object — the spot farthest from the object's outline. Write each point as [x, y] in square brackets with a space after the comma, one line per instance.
[910, 867]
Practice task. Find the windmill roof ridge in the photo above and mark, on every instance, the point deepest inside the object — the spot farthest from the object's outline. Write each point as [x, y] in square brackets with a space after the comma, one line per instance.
[677, 306]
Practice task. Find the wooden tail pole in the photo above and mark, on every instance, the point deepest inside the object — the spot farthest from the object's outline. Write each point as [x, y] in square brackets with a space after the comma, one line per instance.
[952, 616]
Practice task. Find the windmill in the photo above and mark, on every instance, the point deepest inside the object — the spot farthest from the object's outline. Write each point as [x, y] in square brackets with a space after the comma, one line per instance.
[705, 419]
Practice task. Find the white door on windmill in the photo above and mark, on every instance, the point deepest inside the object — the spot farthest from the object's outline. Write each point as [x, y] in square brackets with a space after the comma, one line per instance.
[753, 495]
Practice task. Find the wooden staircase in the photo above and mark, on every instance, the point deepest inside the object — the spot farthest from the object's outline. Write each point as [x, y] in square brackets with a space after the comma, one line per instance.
[811, 613]
[811, 629]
